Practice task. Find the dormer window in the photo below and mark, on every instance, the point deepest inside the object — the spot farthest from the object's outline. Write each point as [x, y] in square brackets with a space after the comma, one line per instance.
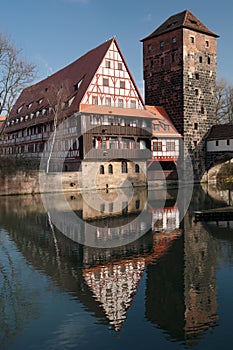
[19, 109]
[77, 86]
[29, 105]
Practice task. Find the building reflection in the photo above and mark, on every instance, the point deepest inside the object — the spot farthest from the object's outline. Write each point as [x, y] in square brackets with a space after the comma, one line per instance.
[180, 269]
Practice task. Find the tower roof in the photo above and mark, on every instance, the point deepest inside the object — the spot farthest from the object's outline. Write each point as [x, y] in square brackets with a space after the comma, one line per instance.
[183, 19]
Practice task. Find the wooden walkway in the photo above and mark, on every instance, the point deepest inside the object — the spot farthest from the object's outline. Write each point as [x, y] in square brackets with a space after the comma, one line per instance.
[218, 214]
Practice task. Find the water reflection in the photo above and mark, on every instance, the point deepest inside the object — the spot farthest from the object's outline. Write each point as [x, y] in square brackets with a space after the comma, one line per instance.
[178, 261]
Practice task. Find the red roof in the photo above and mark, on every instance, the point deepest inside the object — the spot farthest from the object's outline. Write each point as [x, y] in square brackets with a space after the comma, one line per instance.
[74, 80]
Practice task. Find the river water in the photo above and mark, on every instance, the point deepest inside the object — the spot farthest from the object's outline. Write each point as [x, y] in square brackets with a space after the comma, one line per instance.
[116, 279]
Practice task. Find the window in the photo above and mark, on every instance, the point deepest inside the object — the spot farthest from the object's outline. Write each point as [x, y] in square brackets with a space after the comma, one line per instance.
[94, 100]
[102, 207]
[161, 44]
[192, 39]
[101, 169]
[195, 126]
[137, 168]
[120, 66]
[228, 142]
[124, 167]
[133, 104]
[149, 48]
[207, 43]
[208, 60]
[170, 146]
[196, 92]
[195, 143]
[174, 40]
[107, 64]
[157, 146]
[162, 60]
[110, 169]
[110, 207]
[137, 204]
[105, 82]
[216, 143]
[197, 76]
[202, 110]
[120, 102]
[200, 59]
[122, 84]
[108, 101]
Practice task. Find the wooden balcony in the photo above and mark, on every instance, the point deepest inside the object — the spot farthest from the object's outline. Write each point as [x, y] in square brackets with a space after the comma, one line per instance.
[117, 130]
[101, 154]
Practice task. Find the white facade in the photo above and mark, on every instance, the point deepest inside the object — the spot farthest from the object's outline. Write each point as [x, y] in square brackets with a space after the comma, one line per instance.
[112, 84]
[220, 145]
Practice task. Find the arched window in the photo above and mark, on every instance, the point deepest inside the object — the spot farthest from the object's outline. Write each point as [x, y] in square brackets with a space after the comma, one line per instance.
[124, 168]
[137, 168]
[101, 169]
[110, 169]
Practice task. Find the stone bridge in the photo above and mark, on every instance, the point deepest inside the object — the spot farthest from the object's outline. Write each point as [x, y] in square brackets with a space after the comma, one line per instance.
[219, 148]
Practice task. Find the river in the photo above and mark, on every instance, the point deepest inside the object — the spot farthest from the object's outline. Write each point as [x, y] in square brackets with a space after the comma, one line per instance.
[123, 271]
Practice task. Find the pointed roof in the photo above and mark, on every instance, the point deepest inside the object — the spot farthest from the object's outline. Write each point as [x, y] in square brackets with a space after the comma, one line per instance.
[79, 73]
[183, 19]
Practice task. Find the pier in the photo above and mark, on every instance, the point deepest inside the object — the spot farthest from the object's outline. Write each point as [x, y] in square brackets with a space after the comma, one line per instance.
[217, 214]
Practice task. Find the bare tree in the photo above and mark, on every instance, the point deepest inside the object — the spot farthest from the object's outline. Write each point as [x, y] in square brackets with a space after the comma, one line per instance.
[224, 102]
[57, 103]
[15, 74]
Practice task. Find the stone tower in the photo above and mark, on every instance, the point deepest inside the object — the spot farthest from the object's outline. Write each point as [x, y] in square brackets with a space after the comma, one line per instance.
[179, 60]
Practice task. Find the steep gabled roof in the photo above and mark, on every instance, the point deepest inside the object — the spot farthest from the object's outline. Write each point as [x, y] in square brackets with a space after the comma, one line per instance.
[79, 73]
[183, 19]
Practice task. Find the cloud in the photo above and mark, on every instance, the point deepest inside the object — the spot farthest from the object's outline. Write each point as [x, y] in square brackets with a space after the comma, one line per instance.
[49, 69]
[148, 18]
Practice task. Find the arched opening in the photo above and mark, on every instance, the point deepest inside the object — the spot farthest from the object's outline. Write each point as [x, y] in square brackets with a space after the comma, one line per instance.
[124, 167]
[110, 169]
[137, 168]
[101, 169]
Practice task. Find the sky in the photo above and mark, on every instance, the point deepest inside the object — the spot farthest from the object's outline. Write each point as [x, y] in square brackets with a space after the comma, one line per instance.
[54, 33]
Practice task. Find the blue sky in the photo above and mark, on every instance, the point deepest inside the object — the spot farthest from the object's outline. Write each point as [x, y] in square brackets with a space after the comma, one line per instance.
[53, 33]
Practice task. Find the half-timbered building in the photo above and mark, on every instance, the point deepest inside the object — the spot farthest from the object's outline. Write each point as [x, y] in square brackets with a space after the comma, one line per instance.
[90, 117]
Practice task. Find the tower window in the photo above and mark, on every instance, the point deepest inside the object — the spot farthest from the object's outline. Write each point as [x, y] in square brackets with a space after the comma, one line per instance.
[208, 60]
[149, 48]
[195, 126]
[207, 43]
[200, 59]
[197, 76]
[196, 92]
[192, 39]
